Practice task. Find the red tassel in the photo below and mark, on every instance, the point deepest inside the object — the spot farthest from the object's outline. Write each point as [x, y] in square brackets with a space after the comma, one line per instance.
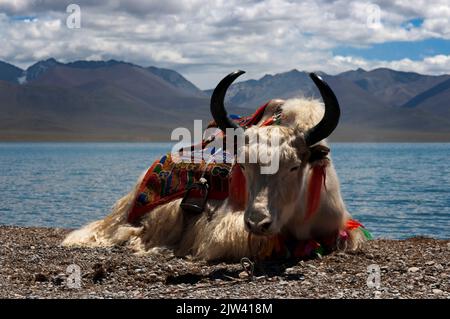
[352, 224]
[314, 188]
[267, 122]
[237, 187]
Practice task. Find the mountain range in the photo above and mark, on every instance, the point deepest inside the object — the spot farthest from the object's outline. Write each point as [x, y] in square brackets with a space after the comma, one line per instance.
[120, 101]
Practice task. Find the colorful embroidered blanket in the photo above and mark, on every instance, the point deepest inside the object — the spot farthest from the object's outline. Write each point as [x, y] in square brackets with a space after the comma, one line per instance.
[169, 178]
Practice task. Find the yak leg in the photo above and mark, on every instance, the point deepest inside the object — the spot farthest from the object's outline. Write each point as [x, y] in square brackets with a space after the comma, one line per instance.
[163, 226]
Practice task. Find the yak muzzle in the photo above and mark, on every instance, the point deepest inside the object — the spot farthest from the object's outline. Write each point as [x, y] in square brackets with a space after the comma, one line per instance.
[260, 225]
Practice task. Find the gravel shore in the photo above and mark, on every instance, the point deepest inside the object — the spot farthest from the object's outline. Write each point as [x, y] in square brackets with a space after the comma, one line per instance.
[34, 265]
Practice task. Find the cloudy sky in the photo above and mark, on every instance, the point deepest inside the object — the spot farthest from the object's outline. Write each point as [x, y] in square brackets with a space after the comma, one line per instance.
[206, 39]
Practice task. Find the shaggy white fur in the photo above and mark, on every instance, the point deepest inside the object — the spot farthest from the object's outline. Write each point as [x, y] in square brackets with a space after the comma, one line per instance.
[283, 195]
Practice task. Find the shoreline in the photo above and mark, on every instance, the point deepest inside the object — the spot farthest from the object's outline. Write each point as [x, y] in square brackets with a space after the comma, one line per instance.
[34, 265]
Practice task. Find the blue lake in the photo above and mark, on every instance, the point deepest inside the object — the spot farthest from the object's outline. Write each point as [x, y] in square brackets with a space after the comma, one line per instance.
[397, 190]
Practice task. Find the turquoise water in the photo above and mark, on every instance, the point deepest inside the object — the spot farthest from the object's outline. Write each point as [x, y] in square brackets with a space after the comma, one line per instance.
[396, 190]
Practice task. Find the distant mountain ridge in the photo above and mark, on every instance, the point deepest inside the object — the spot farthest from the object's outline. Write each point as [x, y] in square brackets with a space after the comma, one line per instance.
[437, 99]
[253, 93]
[9, 72]
[116, 100]
[393, 87]
[177, 80]
[95, 100]
[379, 101]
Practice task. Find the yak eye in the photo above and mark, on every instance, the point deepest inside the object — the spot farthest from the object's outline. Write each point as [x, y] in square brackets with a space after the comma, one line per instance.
[294, 168]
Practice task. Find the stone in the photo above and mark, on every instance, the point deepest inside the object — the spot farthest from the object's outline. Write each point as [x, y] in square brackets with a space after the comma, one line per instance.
[40, 277]
[59, 279]
[413, 269]
[290, 271]
[153, 276]
[438, 266]
[243, 275]
[437, 291]
[99, 273]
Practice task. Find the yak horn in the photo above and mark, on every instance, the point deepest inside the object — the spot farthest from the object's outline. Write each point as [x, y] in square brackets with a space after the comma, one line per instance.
[332, 113]
[218, 111]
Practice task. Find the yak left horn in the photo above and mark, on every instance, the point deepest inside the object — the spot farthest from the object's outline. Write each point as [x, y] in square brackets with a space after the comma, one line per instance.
[331, 116]
[218, 111]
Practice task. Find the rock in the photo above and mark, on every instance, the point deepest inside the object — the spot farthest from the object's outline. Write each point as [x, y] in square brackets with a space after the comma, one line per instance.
[413, 269]
[437, 291]
[99, 273]
[40, 277]
[429, 263]
[59, 279]
[339, 295]
[243, 275]
[290, 271]
[153, 276]
[438, 266]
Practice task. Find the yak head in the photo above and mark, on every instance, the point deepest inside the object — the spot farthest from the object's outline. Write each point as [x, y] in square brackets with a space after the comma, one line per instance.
[275, 153]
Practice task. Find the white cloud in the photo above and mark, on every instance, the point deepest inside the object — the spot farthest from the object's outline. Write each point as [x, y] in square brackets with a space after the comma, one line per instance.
[206, 39]
[438, 64]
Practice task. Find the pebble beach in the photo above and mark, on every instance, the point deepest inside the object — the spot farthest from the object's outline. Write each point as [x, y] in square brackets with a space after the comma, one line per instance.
[34, 265]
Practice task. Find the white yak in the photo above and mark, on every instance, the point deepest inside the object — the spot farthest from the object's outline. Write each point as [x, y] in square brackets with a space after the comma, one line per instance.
[276, 204]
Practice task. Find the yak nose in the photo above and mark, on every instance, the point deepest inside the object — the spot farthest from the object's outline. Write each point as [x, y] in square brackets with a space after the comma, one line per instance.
[260, 227]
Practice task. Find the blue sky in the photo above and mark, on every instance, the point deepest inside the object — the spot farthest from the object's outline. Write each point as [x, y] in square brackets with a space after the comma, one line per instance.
[204, 40]
[396, 50]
